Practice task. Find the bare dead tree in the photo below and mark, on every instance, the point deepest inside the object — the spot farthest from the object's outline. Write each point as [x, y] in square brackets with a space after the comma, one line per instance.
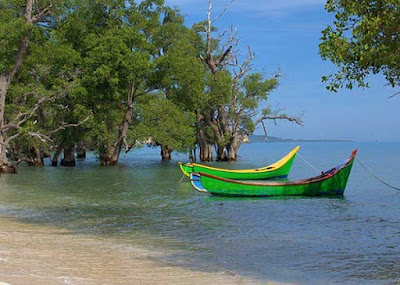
[229, 131]
[214, 62]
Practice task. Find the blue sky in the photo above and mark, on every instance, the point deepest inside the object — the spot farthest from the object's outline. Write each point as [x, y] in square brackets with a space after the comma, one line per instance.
[285, 35]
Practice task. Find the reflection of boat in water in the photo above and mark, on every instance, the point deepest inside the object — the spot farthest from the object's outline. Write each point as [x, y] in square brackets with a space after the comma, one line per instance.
[280, 168]
[330, 183]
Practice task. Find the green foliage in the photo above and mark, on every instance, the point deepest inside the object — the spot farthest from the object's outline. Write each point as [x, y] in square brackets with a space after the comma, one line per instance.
[364, 39]
[255, 88]
[12, 30]
[179, 71]
[49, 72]
[103, 59]
[219, 88]
[167, 124]
[252, 91]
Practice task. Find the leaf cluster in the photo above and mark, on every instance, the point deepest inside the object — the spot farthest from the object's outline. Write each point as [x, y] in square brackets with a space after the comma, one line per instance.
[364, 39]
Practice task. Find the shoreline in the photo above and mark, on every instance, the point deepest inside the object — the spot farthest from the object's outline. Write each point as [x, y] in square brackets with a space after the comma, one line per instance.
[40, 254]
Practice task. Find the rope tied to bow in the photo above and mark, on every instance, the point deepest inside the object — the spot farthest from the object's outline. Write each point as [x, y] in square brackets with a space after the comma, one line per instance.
[309, 164]
[376, 177]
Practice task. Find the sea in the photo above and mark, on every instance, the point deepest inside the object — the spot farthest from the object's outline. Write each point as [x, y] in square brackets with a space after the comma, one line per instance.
[352, 239]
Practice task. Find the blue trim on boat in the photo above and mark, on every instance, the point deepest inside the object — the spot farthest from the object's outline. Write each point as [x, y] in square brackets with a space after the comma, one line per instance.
[195, 180]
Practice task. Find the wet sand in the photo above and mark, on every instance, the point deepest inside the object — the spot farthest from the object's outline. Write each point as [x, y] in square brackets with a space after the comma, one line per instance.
[39, 254]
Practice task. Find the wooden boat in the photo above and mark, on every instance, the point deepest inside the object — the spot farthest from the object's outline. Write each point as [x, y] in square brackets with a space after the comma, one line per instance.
[280, 168]
[330, 183]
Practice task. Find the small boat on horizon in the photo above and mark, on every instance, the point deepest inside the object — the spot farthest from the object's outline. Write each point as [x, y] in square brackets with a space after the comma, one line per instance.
[330, 183]
[279, 169]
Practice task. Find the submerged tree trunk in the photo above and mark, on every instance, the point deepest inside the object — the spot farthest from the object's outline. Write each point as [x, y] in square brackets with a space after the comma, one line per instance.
[111, 156]
[165, 152]
[5, 165]
[192, 155]
[221, 153]
[232, 149]
[36, 157]
[81, 150]
[232, 153]
[54, 160]
[69, 157]
[205, 148]
[206, 151]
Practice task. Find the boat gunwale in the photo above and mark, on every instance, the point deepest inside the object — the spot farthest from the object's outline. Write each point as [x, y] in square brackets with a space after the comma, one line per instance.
[328, 174]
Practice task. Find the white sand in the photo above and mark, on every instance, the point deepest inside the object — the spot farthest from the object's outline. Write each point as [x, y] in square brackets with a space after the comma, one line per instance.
[38, 254]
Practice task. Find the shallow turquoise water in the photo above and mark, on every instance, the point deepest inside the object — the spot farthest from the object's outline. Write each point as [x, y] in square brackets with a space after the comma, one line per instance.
[350, 240]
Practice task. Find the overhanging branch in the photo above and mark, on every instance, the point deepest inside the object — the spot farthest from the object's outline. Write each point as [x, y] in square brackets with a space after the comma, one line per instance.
[23, 117]
[47, 137]
[296, 120]
[276, 117]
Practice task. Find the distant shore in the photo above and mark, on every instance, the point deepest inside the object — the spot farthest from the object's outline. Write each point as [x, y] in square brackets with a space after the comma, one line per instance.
[39, 254]
[261, 138]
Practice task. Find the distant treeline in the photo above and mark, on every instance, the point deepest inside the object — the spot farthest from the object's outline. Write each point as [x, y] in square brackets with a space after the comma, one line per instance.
[113, 74]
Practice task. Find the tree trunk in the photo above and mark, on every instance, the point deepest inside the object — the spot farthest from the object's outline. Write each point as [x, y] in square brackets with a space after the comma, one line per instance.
[113, 150]
[5, 165]
[192, 155]
[54, 160]
[165, 152]
[69, 157]
[81, 150]
[205, 148]
[232, 150]
[36, 157]
[110, 158]
[206, 151]
[221, 153]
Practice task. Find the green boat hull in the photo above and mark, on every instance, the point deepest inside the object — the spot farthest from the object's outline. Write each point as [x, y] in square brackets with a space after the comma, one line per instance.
[279, 169]
[331, 183]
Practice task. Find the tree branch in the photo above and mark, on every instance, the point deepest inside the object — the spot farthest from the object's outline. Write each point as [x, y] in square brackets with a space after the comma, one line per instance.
[64, 126]
[394, 95]
[47, 137]
[40, 136]
[42, 14]
[278, 116]
[7, 141]
[223, 56]
[265, 131]
[213, 63]
[27, 115]
[222, 12]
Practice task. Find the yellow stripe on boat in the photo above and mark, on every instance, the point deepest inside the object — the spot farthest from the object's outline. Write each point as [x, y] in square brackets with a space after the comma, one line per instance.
[280, 168]
[271, 167]
[184, 168]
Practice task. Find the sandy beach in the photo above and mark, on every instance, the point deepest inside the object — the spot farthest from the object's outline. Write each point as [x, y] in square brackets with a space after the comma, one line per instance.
[39, 254]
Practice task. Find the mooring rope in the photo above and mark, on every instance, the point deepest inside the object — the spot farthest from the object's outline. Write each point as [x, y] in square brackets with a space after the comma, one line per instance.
[183, 176]
[312, 166]
[376, 177]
